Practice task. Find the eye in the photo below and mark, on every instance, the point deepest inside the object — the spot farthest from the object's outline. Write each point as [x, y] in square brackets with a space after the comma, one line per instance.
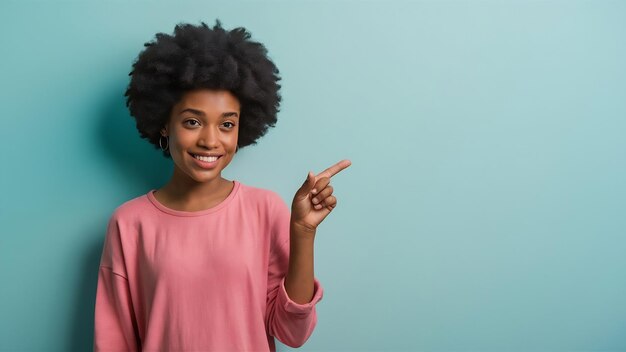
[190, 121]
[232, 124]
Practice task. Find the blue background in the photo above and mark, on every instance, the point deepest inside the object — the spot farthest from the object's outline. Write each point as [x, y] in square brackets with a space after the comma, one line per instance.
[484, 210]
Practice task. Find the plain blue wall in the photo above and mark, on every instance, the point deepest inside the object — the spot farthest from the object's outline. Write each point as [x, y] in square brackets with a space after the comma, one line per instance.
[484, 209]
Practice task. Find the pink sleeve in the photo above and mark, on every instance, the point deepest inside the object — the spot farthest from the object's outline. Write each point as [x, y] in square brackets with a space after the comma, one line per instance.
[115, 327]
[290, 322]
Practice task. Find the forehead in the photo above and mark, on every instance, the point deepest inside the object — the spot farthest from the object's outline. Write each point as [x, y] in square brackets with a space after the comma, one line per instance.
[208, 100]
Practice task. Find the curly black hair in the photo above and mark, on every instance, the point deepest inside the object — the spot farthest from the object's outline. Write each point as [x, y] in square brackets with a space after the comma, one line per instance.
[202, 57]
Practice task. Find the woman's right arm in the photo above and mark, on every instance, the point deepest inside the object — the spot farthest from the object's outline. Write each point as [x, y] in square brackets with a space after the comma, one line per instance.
[115, 326]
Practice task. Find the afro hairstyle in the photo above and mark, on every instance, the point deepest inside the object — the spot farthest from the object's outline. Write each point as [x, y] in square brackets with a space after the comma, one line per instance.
[203, 57]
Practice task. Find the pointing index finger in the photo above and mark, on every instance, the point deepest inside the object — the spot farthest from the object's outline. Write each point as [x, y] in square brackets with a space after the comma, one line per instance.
[333, 170]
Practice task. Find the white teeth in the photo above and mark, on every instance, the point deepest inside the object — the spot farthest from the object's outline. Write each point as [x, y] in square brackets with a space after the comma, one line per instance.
[209, 159]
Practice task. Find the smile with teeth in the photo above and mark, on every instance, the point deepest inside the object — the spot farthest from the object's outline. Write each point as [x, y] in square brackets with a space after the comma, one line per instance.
[208, 159]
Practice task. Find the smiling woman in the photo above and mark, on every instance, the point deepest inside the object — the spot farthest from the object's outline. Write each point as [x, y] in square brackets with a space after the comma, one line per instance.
[202, 134]
[204, 263]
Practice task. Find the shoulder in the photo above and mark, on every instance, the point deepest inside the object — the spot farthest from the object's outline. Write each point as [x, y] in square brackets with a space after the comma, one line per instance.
[131, 209]
[268, 204]
[261, 196]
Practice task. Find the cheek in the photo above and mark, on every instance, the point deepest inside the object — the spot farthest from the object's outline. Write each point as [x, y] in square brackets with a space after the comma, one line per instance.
[181, 139]
[233, 138]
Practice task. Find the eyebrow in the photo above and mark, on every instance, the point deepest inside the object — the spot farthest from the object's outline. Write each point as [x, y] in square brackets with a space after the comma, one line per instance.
[201, 113]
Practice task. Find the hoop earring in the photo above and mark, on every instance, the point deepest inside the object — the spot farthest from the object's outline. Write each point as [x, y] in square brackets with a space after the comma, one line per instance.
[167, 139]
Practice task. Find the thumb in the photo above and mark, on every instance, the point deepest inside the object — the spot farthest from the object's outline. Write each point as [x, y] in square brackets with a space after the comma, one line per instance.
[308, 184]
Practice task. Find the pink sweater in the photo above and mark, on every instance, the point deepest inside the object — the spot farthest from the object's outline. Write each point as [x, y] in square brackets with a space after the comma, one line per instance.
[210, 280]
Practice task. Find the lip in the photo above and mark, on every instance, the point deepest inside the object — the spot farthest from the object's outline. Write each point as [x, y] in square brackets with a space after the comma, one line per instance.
[203, 154]
[204, 164]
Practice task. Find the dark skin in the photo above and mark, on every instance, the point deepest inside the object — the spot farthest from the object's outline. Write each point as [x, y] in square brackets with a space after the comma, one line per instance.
[311, 205]
[214, 128]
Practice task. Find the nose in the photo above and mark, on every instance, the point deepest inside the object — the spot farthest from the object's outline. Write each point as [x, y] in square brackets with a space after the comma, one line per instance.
[209, 137]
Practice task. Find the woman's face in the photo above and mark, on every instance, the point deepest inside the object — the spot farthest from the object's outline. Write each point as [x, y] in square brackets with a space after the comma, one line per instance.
[204, 122]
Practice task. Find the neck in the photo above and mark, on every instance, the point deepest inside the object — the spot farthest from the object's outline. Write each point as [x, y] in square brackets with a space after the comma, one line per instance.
[181, 188]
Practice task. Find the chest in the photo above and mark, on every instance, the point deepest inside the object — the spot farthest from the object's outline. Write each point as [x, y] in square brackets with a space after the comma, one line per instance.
[196, 253]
